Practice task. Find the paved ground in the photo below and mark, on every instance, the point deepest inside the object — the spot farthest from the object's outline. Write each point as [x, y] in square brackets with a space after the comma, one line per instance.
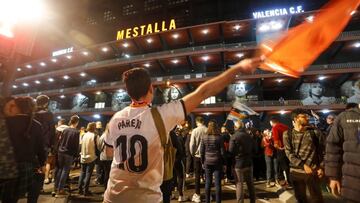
[263, 194]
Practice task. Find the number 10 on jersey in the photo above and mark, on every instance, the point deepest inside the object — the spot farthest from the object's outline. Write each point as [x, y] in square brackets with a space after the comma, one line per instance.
[133, 161]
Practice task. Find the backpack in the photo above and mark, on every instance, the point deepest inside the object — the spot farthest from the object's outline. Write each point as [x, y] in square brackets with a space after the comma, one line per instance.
[169, 150]
[8, 165]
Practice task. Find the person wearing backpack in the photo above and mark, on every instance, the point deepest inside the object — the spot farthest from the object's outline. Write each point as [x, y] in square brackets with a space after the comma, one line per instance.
[88, 155]
[139, 140]
[305, 148]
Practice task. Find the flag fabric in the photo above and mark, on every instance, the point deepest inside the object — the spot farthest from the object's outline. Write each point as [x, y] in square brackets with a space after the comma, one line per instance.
[240, 111]
[300, 46]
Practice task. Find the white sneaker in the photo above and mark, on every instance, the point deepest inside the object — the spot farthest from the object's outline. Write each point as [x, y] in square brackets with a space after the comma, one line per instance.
[182, 199]
[187, 175]
[173, 196]
[196, 198]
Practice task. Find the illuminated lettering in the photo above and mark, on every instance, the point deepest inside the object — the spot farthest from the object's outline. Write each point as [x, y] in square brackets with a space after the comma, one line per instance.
[63, 51]
[120, 35]
[136, 33]
[127, 36]
[163, 28]
[149, 29]
[145, 29]
[277, 12]
[292, 10]
[172, 24]
[156, 28]
[142, 29]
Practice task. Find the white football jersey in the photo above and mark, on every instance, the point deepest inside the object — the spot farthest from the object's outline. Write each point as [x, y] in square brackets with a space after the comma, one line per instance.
[137, 168]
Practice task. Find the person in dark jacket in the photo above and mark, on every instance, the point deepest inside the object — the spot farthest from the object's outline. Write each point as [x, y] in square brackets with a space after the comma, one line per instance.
[228, 159]
[212, 157]
[179, 169]
[167, 186]
[243, 148]
[68, 149]
[26, 138]
[46, 118]
[342, 157]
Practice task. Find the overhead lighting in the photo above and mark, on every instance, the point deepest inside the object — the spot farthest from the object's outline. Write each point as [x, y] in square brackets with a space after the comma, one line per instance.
[168, 83]
[325, 111]
[205, 58]
[127, 56]
[149, 40]
[18, 69]
[93, 81]
[96, 116]
[104, 49]
[42, 64]
[239, 55]
[51, 80]
[66, 77]
[62, 96]
[271, 26]
[98, 92]
[207, 113]
[321, 77]
[175, 36]
[58, 117]
[54, 60]
[147, 65]
[175, 61]
[237, 27]
[68, 56]
[310, 19]
[279, 80]
[241, 82]
[25, 84]
[15, 86]
[125, 44]
[82, 74]
[28, 66]
[79, 94]
[282, 112]
[356, 44]
[37, 82]
[205, 31]
[85, 53]
[353, 12]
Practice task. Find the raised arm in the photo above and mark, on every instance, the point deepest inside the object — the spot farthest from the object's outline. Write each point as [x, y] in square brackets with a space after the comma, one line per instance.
[218, 83]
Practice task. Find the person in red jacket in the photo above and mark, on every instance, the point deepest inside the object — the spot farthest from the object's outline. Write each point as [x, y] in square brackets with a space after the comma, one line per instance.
[270, 158]
[277, 135]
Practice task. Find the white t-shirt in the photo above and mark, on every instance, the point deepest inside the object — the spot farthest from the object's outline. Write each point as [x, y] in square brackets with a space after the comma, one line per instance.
[137, 168]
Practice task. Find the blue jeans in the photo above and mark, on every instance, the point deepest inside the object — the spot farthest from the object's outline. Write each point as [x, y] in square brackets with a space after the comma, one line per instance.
[62, 172]
[209, 171]
[271, 165]
[85, 175]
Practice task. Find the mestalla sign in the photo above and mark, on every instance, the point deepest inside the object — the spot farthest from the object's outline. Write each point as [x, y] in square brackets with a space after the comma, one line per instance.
[147, 29]
[278, 12]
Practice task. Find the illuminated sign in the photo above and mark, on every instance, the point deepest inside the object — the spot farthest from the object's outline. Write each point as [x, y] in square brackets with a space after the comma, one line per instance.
[63, 51]
[278, 12]
[145, 29]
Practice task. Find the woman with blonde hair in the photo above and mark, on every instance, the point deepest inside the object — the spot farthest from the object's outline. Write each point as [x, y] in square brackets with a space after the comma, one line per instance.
[212, 156]
[88, 156]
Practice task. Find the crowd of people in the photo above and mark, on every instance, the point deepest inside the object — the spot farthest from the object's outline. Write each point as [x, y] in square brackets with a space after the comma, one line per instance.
[130, 158]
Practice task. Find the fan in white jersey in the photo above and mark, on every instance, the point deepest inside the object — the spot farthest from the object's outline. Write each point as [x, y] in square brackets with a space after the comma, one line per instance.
[137, 168]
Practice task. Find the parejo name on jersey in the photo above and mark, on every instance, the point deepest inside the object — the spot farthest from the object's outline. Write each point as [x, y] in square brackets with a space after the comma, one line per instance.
[134, 123]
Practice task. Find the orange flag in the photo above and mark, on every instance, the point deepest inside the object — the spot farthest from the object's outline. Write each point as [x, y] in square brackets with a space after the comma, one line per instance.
[300, 46]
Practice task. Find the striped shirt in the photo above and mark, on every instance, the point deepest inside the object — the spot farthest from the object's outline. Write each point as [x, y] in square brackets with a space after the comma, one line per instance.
[305, 148]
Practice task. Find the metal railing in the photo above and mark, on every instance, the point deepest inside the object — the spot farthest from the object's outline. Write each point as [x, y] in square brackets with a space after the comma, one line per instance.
[252, 104]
